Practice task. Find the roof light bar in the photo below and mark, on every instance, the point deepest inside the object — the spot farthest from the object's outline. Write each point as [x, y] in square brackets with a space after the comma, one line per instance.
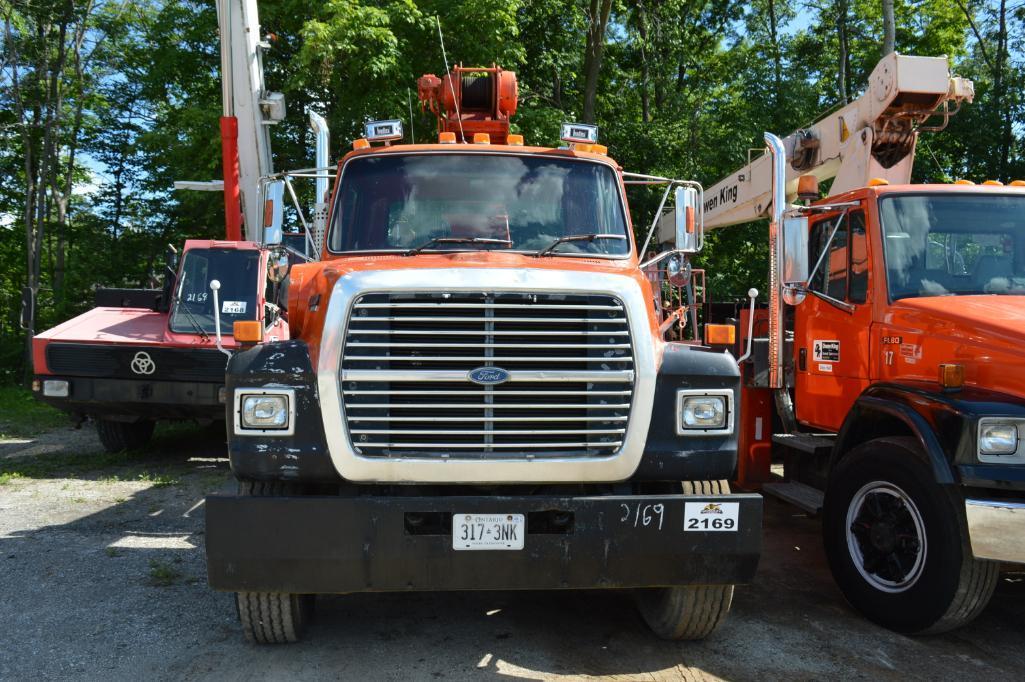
[382, 131]
[579, 133]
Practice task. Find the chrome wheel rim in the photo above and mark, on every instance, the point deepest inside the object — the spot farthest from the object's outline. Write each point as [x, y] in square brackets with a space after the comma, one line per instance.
[886, 537]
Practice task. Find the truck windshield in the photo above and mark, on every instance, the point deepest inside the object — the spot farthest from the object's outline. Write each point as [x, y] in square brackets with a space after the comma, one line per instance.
[398, 202]
[236, 270]
[945, 245]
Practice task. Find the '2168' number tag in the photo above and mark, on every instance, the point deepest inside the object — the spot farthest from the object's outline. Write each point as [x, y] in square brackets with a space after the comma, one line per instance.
[711, 516]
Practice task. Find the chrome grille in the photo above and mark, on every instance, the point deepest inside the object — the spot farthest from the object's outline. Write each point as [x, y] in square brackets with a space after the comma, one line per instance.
[407, 356]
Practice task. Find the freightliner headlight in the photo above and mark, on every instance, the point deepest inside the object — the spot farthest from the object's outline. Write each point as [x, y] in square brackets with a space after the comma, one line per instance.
[998, 437]
[262, 410]
[704, 412]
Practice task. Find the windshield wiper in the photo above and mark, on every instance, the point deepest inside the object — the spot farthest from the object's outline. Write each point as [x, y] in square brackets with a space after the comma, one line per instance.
[456, 240]
[188, 315]
[576, 238]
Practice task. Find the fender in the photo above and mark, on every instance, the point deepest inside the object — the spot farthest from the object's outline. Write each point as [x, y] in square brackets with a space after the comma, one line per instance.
[945, 423]
[302, 456]
[669, 456]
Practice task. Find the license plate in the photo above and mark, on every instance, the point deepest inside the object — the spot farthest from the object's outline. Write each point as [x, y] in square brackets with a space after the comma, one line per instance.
[711, 516]
[488, 531]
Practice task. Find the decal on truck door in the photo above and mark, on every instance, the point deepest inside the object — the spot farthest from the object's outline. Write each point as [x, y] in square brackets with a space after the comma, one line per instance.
[826, 351]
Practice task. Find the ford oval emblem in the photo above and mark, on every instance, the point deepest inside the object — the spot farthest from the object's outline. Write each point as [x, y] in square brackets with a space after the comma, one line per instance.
[488, 376]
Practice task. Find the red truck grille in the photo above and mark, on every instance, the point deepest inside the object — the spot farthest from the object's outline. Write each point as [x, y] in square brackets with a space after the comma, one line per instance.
[567, 362]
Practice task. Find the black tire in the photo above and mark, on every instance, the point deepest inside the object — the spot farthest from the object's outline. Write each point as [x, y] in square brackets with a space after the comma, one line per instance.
[896, 541]
[119, 436]
[687, 612]
[272, 617]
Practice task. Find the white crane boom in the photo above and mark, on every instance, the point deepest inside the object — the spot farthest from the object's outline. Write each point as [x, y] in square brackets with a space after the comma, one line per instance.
[872, 137]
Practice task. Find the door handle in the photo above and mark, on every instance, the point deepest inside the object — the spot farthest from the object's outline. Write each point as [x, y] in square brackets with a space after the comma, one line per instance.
[802, 360]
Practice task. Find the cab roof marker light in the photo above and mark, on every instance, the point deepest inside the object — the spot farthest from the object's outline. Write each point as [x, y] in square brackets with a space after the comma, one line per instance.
[1017, 183]
[993, 183]
[963, 182]
[446, 138]
[361, 143]
[579, 132]
[384, 131]
[514, 140]
[600, 149]
[481, 138]
[878, 182]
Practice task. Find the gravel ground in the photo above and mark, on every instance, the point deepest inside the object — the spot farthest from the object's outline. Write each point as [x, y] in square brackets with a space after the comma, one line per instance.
[102, 576]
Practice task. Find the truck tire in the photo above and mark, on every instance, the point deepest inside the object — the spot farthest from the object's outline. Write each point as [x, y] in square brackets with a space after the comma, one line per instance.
[896, 543]
[272, 617]
[119, 436]
[687, 612]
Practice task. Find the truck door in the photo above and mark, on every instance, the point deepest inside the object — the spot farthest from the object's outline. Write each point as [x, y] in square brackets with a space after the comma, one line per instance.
[831, 337]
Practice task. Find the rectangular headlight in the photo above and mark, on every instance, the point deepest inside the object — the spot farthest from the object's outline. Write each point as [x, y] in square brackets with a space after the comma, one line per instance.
[265, 412]
[998, 438]
[56, 388]
[700, 411]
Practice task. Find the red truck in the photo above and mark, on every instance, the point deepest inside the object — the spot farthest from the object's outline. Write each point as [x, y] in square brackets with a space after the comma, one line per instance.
[143, 355]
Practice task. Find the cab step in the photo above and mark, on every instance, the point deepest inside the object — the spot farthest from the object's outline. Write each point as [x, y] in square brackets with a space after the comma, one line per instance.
[802, 496]
[807, 443]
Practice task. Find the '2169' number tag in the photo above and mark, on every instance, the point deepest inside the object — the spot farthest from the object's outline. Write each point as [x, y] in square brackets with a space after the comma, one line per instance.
[711, 516]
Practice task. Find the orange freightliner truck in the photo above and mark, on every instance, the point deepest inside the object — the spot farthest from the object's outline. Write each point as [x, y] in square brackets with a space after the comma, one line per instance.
[478, 393]
[884, 383]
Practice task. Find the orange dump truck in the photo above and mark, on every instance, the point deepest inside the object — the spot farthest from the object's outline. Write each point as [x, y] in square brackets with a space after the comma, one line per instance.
[478, 391]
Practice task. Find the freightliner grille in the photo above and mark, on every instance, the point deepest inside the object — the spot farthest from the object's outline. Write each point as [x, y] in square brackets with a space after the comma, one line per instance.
[407, 356]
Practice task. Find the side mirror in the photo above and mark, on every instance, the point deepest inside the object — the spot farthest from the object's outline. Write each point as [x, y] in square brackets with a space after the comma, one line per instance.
[688, 238]
[681, 226]
[277, 264]
[28, 305]
[794, 274]
[678, 271]
[273, 200]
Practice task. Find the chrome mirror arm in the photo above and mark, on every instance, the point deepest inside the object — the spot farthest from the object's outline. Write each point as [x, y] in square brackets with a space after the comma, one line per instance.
[752, 293]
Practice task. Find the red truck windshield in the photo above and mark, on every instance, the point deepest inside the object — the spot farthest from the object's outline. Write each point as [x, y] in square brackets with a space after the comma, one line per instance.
[235, 269]
[396, 202]
[944, 245]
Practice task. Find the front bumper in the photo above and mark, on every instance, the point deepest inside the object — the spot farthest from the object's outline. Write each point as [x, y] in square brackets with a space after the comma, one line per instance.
[997, 529]
[138, 398]
[311, 545]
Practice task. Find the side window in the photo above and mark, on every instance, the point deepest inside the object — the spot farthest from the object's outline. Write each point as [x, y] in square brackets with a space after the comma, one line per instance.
[843, 273]
[858, 288]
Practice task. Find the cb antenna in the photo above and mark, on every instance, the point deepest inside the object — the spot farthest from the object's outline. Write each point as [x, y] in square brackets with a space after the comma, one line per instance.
[459, 117]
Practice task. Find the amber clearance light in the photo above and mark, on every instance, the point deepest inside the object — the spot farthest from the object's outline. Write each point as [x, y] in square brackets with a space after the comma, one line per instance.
[951, 375]
[720, 334]
[247, 331]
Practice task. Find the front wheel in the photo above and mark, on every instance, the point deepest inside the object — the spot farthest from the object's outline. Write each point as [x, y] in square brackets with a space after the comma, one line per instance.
[272, 617]
[895, 544]
[118, 436]
[687, 612]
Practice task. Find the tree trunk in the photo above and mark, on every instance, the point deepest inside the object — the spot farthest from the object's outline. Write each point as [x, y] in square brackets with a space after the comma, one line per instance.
[642, 31]
[889, 28]
[598, 20]
[841, 34]
[1000, 98]
[777, 64]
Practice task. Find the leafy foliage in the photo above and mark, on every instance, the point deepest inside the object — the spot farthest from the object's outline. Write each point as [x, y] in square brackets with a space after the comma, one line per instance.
[685, 88]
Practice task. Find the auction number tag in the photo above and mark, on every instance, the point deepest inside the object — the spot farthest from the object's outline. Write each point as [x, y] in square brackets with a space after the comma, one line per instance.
[488, 531]
[233, 307]
[711, 516]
